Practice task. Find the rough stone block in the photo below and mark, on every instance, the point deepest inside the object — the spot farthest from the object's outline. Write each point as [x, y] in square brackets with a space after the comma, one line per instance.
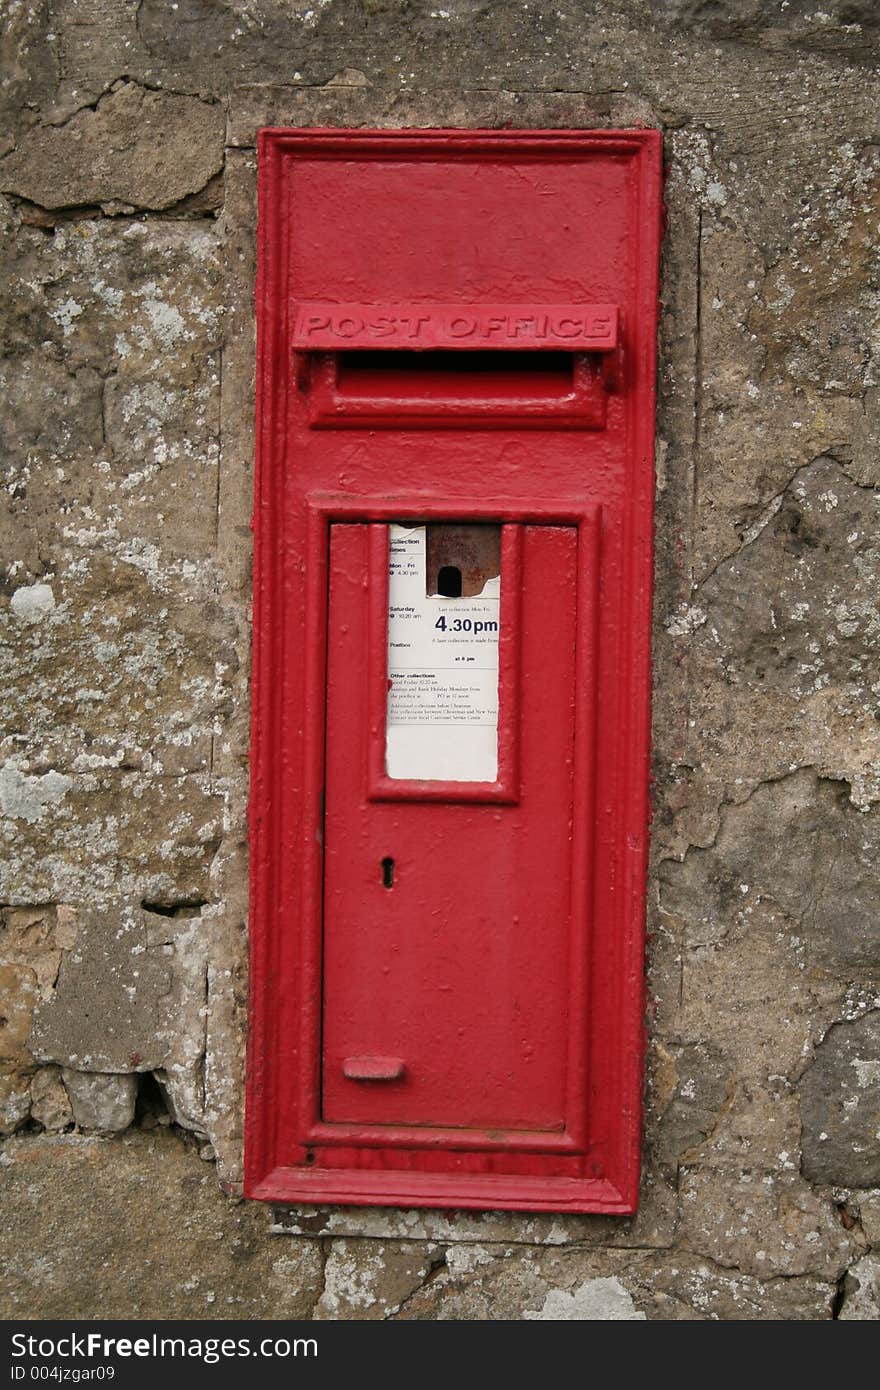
[111, 376]
[513, 1283]
[31, 941]
[788, 626]
[101, 1101]
[18, 995]
[28, 56]
[15, 1096]
[128, 994]
[50, 1102]
[368, 1280]
[692, 1084]
[136, 149]
[764, 1225]
[861, 1291]
[682, 1285]
[840, 1104]
[869, 1216]
[818, 868]
[751, 996]
[490, 1282]
[759, 1127]
[90, 846]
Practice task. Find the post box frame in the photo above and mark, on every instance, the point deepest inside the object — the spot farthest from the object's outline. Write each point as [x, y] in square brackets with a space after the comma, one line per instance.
[283, 1127]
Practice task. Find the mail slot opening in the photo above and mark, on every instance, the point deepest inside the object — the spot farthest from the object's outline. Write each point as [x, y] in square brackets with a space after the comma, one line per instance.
[445, 375]
[449, 581]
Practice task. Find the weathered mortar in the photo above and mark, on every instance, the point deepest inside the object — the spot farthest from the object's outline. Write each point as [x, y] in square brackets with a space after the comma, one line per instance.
[128, 217]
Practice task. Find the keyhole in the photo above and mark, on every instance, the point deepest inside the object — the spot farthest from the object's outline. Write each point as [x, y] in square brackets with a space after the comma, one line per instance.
[449, 581]
[388, 872]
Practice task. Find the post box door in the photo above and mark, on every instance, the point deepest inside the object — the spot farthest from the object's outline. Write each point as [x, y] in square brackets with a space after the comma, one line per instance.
[447, 924]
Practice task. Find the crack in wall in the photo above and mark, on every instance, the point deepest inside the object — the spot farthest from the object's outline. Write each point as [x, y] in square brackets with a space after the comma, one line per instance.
[771, 507]
[698, 397]
[436, 1266]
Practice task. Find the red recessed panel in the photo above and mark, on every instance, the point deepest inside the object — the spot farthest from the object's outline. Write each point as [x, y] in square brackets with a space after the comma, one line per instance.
[447, 927]
[456, 330]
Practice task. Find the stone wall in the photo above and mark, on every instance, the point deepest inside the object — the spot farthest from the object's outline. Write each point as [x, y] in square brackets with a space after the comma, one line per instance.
[127, 174]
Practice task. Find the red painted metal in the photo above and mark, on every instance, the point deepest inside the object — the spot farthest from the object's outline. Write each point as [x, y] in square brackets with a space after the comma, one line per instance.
[446, 977]
[463, 965]
[346, 393]
[338, 327]
[373, 1068]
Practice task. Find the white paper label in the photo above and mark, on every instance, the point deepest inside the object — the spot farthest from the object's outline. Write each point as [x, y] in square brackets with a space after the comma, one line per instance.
[442, 709]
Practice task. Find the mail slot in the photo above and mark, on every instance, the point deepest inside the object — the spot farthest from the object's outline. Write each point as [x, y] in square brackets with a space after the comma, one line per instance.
[451, 667]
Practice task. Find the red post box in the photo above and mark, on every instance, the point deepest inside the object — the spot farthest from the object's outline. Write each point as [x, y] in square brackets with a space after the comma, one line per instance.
[451, 666]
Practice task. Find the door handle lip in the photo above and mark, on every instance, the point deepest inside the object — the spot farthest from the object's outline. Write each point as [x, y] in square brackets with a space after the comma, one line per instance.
[373, 1068]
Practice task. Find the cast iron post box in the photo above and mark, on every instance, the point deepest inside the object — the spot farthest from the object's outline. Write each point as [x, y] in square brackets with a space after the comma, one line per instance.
[451, 666]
